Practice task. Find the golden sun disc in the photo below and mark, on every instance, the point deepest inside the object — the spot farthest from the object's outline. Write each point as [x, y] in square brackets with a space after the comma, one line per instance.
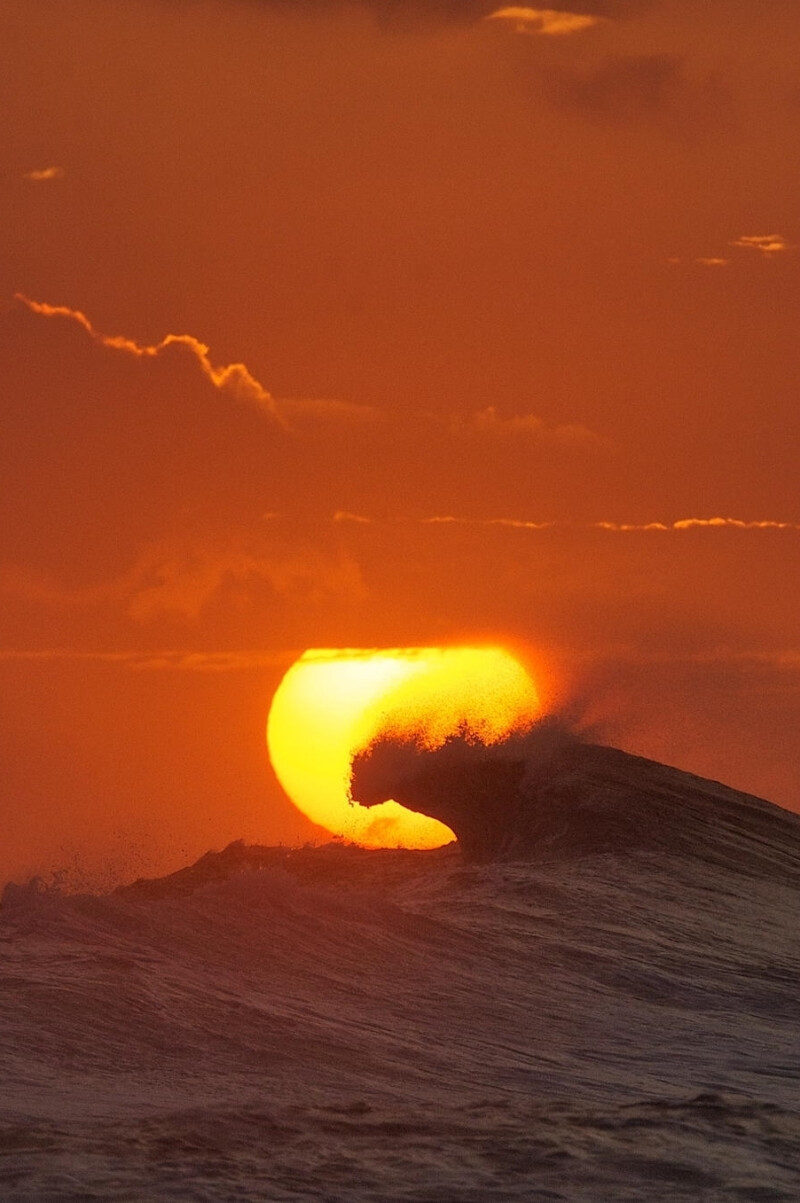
[333, 702]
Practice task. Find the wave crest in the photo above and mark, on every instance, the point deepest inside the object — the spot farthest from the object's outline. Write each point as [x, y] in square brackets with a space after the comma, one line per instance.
[547, 791]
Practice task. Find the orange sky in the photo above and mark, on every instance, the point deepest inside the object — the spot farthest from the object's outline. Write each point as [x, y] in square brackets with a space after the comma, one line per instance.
[535, 276]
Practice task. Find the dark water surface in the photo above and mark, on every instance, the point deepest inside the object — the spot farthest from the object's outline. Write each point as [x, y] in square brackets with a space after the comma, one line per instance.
[342, 1024]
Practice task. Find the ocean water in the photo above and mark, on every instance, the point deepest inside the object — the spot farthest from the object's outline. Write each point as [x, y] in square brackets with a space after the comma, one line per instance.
[575, 1022]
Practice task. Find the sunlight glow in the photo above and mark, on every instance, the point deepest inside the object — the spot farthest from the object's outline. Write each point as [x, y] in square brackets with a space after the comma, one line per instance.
[333, 702]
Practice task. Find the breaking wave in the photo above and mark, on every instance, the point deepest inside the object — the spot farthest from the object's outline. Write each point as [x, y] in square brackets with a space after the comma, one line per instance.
[603, 1003]
[547, 792]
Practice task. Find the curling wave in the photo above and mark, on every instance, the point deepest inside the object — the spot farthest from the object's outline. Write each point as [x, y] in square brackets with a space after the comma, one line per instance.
[548, 792]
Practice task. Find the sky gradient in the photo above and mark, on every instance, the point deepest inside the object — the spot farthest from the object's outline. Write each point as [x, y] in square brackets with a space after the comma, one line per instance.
[387, 324]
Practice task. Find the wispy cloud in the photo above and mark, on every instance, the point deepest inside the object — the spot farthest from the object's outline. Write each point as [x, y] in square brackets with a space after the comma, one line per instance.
[233, 378]
[765, 244]
[546, 21]
[513, 523]
[683, 524]
[225, 661]
[490, 421]
[43, 174]
[656, 527]
[347, 516]
[184, 661]
[297, 411]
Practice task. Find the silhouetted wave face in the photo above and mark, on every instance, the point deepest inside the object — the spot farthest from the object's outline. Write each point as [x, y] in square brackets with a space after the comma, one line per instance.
[547, 792]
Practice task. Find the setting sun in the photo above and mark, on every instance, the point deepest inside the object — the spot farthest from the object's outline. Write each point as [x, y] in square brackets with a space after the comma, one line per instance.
[333, 703]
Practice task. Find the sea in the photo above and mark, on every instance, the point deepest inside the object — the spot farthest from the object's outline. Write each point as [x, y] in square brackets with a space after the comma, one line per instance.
[607, 1022]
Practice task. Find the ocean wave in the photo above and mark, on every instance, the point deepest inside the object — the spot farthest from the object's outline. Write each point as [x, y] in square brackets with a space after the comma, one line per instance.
[547, 792]
[608, 1018]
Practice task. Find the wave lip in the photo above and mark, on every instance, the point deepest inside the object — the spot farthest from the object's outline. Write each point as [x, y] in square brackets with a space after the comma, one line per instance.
[549, 792]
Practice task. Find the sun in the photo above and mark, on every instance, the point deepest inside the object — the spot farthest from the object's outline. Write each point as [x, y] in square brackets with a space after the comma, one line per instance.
[333, 702]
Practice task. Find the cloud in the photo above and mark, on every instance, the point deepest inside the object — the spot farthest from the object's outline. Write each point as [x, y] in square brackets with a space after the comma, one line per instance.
[547, 21]
[44, 655]
[346, 516]
[43, 174]
[489, 421]
[181, 580]
[222, 661]
[623, 86]
[511, 523]
[112, 447]
[606, 525]
[178, 660]
[684, 524]
[766, 244]
[186, 581]
[233, 378]
[302, 411]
